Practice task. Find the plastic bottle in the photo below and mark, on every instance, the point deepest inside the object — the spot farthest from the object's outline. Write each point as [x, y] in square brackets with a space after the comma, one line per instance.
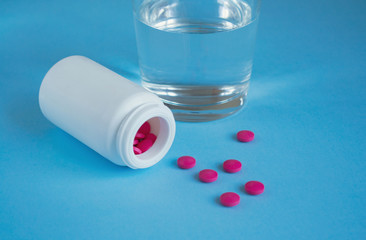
[104, 111]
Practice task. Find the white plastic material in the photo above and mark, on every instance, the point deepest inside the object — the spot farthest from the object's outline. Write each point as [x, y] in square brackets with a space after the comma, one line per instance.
[104, 111]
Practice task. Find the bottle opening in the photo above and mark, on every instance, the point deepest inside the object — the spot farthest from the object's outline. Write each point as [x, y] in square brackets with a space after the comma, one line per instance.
[153, 127]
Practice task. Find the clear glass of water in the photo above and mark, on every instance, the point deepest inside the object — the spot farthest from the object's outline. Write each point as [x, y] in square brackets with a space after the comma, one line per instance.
[196, 55]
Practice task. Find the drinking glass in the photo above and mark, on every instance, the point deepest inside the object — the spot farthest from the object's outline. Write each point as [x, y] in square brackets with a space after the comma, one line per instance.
[196, 55]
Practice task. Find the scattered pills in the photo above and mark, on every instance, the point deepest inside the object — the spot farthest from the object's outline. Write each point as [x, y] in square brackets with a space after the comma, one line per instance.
[230, 199]
[208, 175]
[232, 166]
[186, 162]
[245, 136]
[254, 187]
[137, 150]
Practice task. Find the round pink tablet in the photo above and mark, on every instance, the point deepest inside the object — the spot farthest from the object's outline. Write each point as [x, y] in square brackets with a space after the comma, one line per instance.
[145, 144]
[230, 199]
[137, 150]
[186, 162]
[254, 187]
[232, 166]
[151, 136]
[135, 142]
[139, 136]
[208, 175]
[145, 128]
[245, 136]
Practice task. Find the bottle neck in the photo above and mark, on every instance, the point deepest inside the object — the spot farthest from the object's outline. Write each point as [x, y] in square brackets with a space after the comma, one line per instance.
[162, 125]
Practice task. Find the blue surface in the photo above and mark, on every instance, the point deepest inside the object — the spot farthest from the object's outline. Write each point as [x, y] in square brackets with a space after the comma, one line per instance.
[307, 106]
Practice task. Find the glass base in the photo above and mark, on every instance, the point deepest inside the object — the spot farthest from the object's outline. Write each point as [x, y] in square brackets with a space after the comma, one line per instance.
[201, 103]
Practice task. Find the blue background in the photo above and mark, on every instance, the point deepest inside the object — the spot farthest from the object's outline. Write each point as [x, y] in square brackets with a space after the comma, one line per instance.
[307, 107]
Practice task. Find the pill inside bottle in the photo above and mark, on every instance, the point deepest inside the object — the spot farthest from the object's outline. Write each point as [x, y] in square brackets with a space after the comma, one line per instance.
[146, 136]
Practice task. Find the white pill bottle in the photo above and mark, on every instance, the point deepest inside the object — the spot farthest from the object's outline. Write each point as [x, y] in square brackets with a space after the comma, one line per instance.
[105, 110]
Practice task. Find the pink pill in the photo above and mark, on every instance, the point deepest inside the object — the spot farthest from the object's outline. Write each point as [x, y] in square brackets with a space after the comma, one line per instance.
[137, 150]
[230, 199]
[186, 162]
[145, 145]
[135, 142]
[151, 136]
[232, 166]
[208, 175]
[245, 136]
[254, 187]
[139, 136]
[145, 128]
